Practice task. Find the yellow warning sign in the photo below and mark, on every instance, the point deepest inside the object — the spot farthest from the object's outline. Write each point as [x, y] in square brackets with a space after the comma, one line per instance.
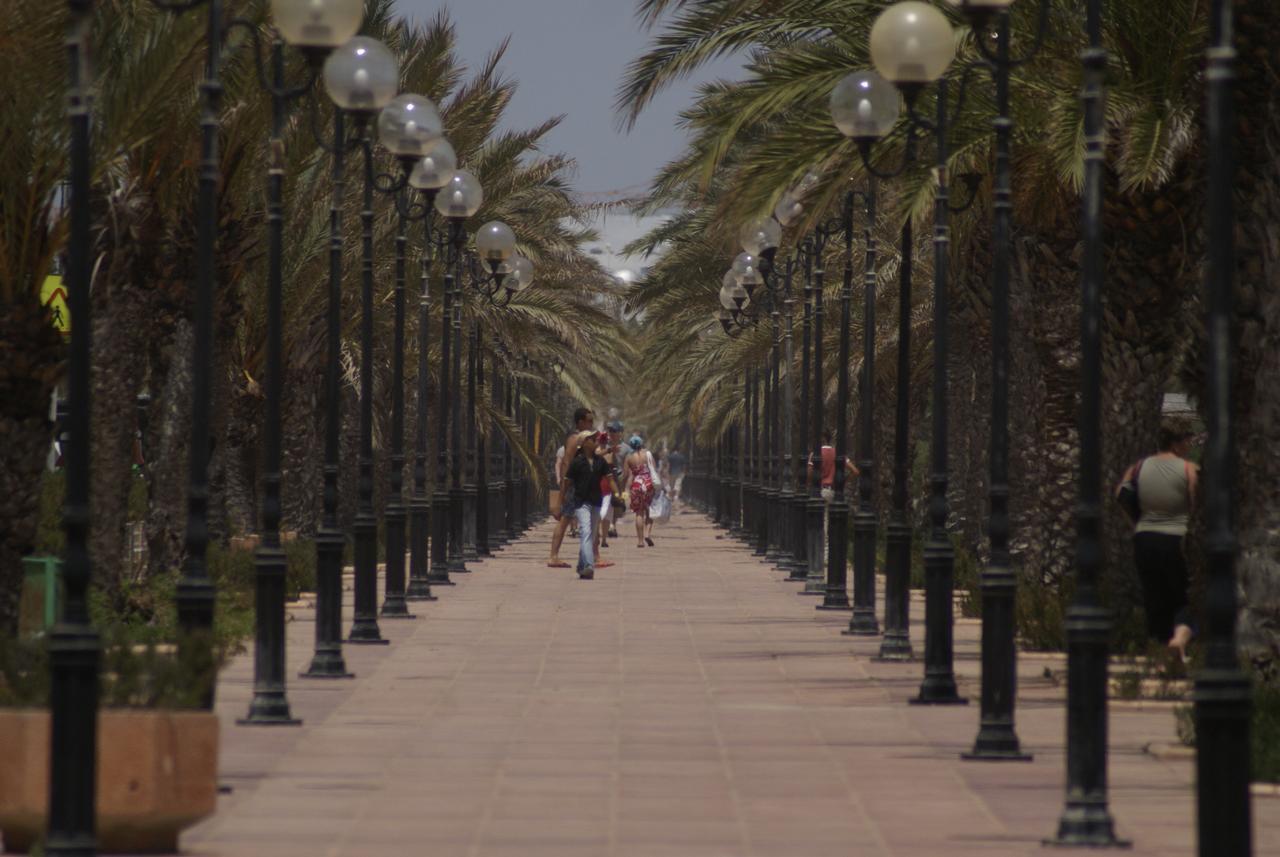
[53, 294]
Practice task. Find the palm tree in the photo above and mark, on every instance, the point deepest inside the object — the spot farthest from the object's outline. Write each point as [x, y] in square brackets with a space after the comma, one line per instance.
[144, 226]
[755, 137]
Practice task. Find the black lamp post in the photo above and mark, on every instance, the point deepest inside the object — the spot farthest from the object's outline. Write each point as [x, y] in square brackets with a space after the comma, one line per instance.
[470, 468]
[456, 201]
[411, 128]
[328, 661]
[507, 272]
[866, 521]
[896, 643]
[1086, 820]
[361, 78]
[997, 739]
[939, 684]
[865, 108]
[815, 510]
[430, 173]
[419, 586]
[195, 592]
[835, 597]
[364, 627]
[439, 568]
[1222, 692]
[270, 704]
[74, 647]
[787, 456]
[800, 511]
[913, 50]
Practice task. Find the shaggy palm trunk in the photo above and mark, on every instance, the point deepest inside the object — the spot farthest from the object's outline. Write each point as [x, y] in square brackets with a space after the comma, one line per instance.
[169, 433]
[1256, 394]
[302, 418]
[121, 337]
[1149, 300]
[30, 358]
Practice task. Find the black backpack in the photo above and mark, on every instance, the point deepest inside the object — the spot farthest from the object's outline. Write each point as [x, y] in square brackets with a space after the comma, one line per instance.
[1128, 495]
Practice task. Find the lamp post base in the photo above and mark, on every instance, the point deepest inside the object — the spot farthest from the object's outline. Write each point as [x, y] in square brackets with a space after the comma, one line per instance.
[1086, 823]
[269, 708]
[894, 648]
[863, 623]
[938, 690]
[327, 665]
[996, 742]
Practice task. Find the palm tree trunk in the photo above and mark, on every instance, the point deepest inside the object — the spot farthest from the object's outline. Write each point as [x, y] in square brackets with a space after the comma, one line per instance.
[121, 339]
[1257, 308]
[30, 357]
[167, 473]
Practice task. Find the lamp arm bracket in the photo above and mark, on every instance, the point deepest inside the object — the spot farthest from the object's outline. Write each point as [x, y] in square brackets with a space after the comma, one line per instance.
[1042, 32]
[971, 182]
[177, 7]
[319, 139]
[387, 183]
[864, 152]
[287, 93]
[962, 91]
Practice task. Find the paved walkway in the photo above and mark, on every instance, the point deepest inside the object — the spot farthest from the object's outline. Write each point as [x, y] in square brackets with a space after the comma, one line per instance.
[684, 703]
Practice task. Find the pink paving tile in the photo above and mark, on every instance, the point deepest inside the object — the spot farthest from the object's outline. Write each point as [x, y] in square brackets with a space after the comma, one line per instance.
[684, 704]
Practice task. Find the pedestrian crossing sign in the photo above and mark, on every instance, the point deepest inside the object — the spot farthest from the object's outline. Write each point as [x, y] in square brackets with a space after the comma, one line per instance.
[53, 296]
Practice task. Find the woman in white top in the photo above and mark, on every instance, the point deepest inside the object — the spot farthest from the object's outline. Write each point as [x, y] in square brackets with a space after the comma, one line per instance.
[1166, 495]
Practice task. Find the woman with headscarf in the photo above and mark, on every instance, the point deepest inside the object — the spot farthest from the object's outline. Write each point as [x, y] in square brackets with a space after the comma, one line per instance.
[638, 474]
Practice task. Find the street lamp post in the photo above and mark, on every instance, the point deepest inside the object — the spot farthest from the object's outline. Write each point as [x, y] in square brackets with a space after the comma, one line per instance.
[409, 127]
[939, 684]
[74, 646]
[270, 705]
[471, 482]
[507, 272]
[865, 109]
[836, 597]
[1222, 693]
[815, 509]
[787, 493]
[997, 739]
[800, 512]
[431, 173]
[195, 595]
[457, 201]
[1086, 819]
[328, 661]
[361, 77]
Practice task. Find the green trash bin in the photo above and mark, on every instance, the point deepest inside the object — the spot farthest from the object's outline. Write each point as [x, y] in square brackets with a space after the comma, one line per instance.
[40, 591]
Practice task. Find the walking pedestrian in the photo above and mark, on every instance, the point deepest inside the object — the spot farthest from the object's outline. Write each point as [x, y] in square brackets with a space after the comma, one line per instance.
[827, 476]
[582, 481]
[639, 474]
[678, 465]
[827, 473]
[583, 420]
[618, 452]
[1164, 488]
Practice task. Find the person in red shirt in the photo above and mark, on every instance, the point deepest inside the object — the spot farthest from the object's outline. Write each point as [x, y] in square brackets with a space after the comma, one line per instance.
[827, 472]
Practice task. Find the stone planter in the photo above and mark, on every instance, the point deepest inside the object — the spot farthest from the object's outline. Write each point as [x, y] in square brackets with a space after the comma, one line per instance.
[157, 775]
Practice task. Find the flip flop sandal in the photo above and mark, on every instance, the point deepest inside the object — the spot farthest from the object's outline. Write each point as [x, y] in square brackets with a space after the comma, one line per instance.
[604, 564]
[648, 541]
[557, 565]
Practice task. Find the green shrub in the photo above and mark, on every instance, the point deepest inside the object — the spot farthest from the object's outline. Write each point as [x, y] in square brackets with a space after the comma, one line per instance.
[1264, 730]
[50, 539]
[968, 576]
[301, 576]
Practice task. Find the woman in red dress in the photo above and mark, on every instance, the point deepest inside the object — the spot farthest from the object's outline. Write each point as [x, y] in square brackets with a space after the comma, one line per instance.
[637, 474]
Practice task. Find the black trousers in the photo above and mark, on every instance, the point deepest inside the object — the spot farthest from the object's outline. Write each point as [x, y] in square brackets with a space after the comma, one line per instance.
[1162, 568]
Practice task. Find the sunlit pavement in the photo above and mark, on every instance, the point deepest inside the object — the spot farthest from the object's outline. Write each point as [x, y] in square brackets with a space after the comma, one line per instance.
[685, 702]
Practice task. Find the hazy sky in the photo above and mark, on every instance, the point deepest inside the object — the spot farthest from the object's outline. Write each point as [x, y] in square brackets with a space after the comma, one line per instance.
[568, 57]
